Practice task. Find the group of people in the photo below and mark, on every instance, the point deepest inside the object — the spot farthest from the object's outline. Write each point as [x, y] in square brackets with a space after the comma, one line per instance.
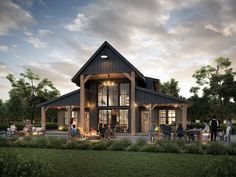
[74, 131]
[27, 130]
[210, 130]
[105, 131]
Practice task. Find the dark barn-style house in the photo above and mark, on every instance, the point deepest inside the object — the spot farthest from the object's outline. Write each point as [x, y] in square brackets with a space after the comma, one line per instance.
[113, 92]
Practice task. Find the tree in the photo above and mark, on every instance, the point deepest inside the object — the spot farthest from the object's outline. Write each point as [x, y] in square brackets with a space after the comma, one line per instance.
[170, 88]
[28, 91]
[218, 84]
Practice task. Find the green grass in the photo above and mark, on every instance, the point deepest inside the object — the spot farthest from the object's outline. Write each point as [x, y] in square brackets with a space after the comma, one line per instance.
[72, 163]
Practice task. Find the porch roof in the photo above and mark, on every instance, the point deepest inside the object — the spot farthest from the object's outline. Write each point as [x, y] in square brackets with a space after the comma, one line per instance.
[71, 98]
[147, 96]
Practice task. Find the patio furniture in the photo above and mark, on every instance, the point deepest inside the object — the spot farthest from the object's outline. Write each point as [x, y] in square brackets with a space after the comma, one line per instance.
[166, 131]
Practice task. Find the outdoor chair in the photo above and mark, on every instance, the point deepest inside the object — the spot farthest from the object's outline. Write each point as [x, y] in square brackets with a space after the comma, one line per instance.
[166, 131]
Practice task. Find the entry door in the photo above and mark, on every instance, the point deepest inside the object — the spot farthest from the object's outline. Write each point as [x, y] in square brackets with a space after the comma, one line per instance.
[86, 122]
[145, 121]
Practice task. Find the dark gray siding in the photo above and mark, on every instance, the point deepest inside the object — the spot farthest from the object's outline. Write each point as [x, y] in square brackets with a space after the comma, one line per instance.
[150, 97]
[72, 98]
[114, 63]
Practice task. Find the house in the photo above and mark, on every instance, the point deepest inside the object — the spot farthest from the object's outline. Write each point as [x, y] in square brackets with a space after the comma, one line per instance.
[113, 92]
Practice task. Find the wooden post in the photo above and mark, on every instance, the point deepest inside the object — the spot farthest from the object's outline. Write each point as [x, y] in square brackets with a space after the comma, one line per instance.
[133, 122]
[184, 116]
[82, 102]
[43, 118]
[69, 109]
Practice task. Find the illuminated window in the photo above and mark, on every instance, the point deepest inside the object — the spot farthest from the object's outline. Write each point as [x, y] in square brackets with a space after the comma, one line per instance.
[171, 116]
[124, 94]
[113, 95]
[162, 117]
[102, 95]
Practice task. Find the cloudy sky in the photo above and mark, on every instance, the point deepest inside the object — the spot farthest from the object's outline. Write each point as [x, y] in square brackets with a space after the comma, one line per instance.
[163, 39]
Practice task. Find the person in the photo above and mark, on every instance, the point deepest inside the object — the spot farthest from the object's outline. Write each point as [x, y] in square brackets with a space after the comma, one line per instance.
[107, 132]
[13, 129]
[180, 131]
[189, 134]
[102, 130]
[213, 128]
[152, 132]
[206, 131]
[28, 127]
[228, 130]
[74, 131]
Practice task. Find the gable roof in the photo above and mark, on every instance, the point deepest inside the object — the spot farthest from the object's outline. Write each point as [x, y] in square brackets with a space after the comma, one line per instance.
[71, 98]
[147, 96]
[75, 79]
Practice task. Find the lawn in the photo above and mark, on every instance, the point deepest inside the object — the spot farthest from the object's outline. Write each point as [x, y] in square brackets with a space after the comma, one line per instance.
[71, 163]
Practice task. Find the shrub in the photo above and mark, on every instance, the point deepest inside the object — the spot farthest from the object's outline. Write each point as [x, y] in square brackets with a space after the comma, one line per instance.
[4, 126]
[134, 148]
[102, 145]
[220, 168]
[141, 142]
[4, 142]
[180, 143]
[51, 126]
[13, 165]
[231, 150]
[75, 144]
[169, 146]
[215, 148]
[150, 148]
[120, 145]
[194, 148]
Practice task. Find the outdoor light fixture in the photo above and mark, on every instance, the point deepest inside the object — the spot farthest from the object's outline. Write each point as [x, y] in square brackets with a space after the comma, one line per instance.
[108, 83]
[104, 57]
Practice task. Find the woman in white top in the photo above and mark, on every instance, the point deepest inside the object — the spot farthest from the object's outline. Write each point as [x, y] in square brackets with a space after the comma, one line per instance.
[228, 130]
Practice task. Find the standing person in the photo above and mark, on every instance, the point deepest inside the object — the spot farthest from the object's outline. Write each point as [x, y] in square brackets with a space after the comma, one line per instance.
[214, 125]
[180, 131]
[228, 130]
[152, 132]
[206, 131]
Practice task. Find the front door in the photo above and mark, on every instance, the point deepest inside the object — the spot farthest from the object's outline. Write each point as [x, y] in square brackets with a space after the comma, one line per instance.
[145, 121]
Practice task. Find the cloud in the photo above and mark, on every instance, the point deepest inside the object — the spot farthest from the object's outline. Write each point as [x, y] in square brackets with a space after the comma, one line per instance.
[77, 24]
[3, 48]
[36, 42]
[44, 32]
[4, 70]
[13, 17]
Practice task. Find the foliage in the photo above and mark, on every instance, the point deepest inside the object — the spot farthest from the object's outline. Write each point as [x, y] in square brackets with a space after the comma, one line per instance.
[51, 126]
[218, 84]
[194, 148]
[215, 148]
[220, 167]
[141, 141]
[120, 145]
[102, 145]
[134, 148]
[150, 148]
[169, 146]
[26, 93]
[170, 88]
[14, 165]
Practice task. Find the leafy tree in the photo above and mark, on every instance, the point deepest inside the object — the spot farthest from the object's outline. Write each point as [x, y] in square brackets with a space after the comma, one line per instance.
[170, 88]
[218, 84]
[27, 92]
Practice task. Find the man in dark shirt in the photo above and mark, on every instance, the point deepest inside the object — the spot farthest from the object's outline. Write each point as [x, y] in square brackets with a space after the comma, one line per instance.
[214, 125]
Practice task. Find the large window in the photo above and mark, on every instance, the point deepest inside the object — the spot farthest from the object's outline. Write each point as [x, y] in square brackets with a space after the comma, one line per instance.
[124, 94]
[102, 95]
[113, 95]
[104, 117]
[171, 116]
[162, 117]
[122, 121]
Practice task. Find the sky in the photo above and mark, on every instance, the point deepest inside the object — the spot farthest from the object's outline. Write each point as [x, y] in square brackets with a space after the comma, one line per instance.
[163, 39]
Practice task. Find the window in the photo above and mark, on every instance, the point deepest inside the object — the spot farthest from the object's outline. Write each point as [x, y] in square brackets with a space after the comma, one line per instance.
[113, 95]
[162, 117]
[104, 117]
[102, 95]
[124, 94]
[171, 116]
[122, 120]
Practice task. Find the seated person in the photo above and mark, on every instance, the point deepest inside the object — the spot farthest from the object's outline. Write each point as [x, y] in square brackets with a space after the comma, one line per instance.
[180, 131]
[13, 129]
[190, 134]
[206, 131]
[28, 127]
[74, 131]
[166, 130]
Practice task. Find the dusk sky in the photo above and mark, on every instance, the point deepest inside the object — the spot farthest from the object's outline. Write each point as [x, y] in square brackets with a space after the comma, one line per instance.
[163, 39]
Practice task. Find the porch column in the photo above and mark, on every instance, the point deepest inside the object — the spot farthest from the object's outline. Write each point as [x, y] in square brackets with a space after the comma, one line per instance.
[82, 102]
[43, 118]
[184, 115]
[132, 108]
[69, 109]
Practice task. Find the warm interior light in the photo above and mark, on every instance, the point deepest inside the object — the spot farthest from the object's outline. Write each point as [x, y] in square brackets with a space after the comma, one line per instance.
[104, 56]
